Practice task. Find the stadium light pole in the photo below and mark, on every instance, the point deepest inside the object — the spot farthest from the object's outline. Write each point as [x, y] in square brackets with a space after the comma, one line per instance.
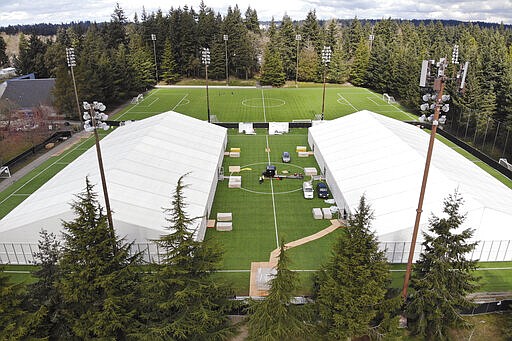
[326, 59]
[439, 98]
[225, 37]
[94, 119]
[298, 38]
[70, 57]
[206, 61]
[153, 38]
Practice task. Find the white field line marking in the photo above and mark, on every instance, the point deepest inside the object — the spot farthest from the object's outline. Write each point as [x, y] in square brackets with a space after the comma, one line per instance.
[44, 170]
[136, 105]
[150, 104]
[181, 100]
[477, 269]
[343, 98]
[377, 104]
[264, 111]
[395, 106]
[273, 196]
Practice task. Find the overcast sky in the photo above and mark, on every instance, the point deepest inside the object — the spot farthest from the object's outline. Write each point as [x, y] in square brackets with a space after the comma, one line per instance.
[14, 12]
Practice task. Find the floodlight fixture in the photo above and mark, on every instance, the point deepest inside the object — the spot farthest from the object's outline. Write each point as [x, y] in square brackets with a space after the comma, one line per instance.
[326, 59]
[442, 119]
[445, 107]
[205, 57]
[298, 38]
[455, 54]
[426, 97]
[96, 116]
[424, 107]
[445, 98]
[326, 55]
[70, 57]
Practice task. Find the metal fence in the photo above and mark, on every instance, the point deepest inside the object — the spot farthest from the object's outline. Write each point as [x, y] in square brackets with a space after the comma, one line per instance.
[396, 252]
[488, 135]
[485, 251]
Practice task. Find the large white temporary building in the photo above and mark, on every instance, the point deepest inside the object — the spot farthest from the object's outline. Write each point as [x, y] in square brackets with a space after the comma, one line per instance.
[382, 158]
[143, 161]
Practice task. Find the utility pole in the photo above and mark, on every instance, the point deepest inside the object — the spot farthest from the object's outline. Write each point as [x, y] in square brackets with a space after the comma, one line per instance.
[225, 37]
[298, 37]
[70, 57]
[153, 38]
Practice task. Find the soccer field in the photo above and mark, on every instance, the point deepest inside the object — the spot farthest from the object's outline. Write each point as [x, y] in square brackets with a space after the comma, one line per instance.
[262, 104]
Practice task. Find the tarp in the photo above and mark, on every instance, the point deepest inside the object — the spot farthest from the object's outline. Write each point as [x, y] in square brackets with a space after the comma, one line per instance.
[382, 158]
[143, 161]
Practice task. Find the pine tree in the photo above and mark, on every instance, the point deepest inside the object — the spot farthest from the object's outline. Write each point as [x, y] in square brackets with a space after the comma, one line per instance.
[272, 70]
[12, 326]
[308, 64]
[4, 60]
[276, 317]
[360, 63]
[181, 300]
[442, 277]
[44, 301]
[169, 67]
[99, 276]
[351, 287]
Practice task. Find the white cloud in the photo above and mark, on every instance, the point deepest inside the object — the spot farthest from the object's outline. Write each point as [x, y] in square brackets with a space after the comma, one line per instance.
[58, 11]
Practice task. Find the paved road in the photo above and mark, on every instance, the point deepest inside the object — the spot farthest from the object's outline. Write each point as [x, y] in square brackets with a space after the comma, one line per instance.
[37, 162]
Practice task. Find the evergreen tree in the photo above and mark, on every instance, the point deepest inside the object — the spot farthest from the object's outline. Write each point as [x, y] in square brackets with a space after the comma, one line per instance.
[12, 326]
[142, 64]
[442, 277]
[251, 20]
[272, 70]
[360, 64]
[22, 62]
[169, 67]
[181, 300]
[276, 317]
[44, 301]
[4, 60]
[351, 287]
[308, 64]
[311, 31]
[288, 47]
[114, 32]
[99, 277]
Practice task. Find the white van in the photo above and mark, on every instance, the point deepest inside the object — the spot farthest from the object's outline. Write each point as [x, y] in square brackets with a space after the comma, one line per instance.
[307, 189]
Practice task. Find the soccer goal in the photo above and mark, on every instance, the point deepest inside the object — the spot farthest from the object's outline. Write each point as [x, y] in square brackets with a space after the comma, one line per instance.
[505, 164]
[388, 99]
[136, 100]
[5, 172]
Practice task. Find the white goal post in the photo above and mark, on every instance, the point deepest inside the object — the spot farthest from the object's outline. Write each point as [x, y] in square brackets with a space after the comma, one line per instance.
[388, 99]
[5, 172]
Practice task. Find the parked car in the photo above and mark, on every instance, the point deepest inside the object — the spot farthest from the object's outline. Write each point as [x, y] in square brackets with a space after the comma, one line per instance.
[322, 191]
[307, 189]
[286, 157]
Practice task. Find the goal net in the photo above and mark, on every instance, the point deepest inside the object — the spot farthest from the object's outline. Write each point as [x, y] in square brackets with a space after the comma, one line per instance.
[4, 172]
[388, 99]
[505, 164]
[136, 100]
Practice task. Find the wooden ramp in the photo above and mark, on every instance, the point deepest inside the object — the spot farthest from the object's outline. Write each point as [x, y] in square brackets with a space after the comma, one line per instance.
[257, 268]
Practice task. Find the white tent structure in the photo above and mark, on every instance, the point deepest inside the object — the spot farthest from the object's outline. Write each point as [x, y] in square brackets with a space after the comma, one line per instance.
[143, 161]
[382, 158]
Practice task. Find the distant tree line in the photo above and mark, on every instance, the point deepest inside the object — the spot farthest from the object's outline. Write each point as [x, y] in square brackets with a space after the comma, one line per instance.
[116, 60]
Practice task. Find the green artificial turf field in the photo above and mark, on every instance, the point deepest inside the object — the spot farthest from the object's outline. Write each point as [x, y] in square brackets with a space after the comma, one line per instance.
[262, 104]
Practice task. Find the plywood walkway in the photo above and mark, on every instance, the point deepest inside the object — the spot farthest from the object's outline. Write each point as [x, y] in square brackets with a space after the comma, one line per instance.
[254, 291]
